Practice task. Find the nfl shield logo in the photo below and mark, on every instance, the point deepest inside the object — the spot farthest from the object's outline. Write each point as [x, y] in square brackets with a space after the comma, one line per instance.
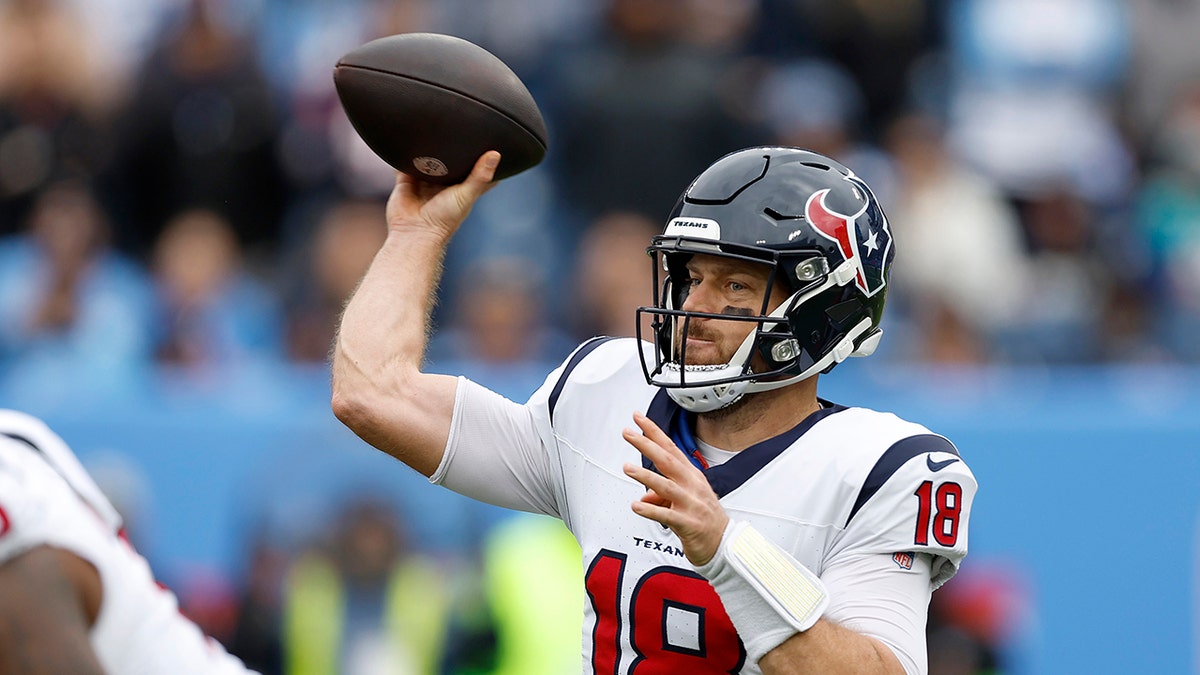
[903, 559]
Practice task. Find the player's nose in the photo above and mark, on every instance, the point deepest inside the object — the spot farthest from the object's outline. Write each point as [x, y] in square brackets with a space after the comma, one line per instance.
[701, 297]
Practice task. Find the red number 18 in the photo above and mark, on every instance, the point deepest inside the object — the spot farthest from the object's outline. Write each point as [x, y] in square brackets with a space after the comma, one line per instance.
[943, 507]
[718, 650]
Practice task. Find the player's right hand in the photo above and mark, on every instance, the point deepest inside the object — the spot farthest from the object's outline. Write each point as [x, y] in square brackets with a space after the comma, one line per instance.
[678, 495]
[418, 206]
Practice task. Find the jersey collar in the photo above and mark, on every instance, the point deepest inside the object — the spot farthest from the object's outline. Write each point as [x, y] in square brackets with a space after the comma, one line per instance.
[729, 476]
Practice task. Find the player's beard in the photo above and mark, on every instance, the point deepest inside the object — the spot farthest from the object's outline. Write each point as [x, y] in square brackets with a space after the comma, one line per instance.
[724, 352]
[716, 358]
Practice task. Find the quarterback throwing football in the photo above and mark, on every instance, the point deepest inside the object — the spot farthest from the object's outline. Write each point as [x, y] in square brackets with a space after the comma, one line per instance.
[731, 520]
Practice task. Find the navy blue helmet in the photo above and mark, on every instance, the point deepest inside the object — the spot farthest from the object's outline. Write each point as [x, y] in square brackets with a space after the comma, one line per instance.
[821, 231]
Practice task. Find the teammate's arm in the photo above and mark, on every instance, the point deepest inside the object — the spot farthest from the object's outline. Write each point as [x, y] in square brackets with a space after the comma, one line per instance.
[679, 497]
[49, 600]
[379, 391]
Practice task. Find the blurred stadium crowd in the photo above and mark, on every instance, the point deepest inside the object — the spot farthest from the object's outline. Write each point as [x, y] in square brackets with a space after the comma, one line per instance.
[179, 187]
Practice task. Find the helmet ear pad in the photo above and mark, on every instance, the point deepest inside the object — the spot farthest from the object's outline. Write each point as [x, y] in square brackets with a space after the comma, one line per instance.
[817, 326]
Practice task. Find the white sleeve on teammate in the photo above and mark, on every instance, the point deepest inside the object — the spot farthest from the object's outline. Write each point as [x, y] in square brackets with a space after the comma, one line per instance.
[38, 508]
[499, 452]
[16, 508]
[870, 595]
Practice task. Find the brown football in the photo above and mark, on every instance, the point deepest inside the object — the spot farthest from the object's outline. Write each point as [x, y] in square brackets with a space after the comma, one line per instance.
[431, 104]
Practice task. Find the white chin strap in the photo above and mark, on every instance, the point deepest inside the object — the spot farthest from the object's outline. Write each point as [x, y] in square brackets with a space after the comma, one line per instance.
[702, 397]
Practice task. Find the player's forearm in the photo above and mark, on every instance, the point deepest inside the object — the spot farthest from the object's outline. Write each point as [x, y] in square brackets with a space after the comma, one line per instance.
[779, 607]
[830, 648]
[384, 327]
[378, 389]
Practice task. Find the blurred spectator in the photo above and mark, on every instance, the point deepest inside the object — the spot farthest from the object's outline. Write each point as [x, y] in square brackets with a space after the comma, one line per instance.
[208, 598]
[1163, 61]
[1032, 100]
[122, 33]
[816, 104]
[212, 314]
[357, 169]
[536, 600]
[45, 51]
[1060, 321]
[526, 220]
[500, 320]
[51, 103]
[636, 113]
[364, 602]
[877, 43]
[965, 271]
[613, 276]
[974, 620]
[200, 132]
[299, 41]
[1168, 220]
[255, 638]
[721, 25]
[523, 33]
[346, 240]
[71, 309]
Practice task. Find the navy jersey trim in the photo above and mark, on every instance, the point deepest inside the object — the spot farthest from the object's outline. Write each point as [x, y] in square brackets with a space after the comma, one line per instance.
[579, 355]
[21, 439]
[894, 458]
[727, 477]
[49, 462]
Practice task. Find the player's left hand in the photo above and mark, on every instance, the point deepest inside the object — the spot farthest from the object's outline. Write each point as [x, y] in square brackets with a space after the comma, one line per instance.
[679, 496]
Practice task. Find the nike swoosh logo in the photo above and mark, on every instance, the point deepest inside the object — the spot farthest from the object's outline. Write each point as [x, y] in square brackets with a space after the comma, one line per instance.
[938, 466]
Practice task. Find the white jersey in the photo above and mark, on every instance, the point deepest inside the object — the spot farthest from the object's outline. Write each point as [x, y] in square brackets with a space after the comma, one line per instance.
[876, 506]
[48, 499]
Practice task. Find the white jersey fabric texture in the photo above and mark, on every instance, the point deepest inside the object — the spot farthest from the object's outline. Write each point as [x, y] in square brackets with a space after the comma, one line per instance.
[48, 499]
[876, 506]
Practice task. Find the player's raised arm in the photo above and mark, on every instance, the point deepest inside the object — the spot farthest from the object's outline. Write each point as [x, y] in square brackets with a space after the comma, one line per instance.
[379, 391]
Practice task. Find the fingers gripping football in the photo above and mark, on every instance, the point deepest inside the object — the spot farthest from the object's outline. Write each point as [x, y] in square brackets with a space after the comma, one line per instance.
[440, 209]
[679, 496]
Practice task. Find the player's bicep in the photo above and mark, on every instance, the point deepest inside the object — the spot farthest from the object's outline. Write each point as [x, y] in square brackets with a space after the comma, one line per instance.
[44, 614]
[497, 453]
[885, 597]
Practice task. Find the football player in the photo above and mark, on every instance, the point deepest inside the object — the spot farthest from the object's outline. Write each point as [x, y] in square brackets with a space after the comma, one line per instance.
[731, 520]
[74, 595]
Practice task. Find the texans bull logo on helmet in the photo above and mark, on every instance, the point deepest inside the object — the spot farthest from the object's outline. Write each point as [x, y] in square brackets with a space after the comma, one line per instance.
[859, 239]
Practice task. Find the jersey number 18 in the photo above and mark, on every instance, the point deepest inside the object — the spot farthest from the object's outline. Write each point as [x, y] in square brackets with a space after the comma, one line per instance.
[662, 598]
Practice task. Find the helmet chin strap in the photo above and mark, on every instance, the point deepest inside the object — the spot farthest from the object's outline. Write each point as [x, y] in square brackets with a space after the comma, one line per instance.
[708, 397]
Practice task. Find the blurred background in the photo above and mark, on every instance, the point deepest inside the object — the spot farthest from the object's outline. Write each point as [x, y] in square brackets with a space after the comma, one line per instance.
[184, 209]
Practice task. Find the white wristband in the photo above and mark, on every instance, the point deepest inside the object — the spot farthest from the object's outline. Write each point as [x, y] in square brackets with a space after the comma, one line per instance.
[767, 593]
